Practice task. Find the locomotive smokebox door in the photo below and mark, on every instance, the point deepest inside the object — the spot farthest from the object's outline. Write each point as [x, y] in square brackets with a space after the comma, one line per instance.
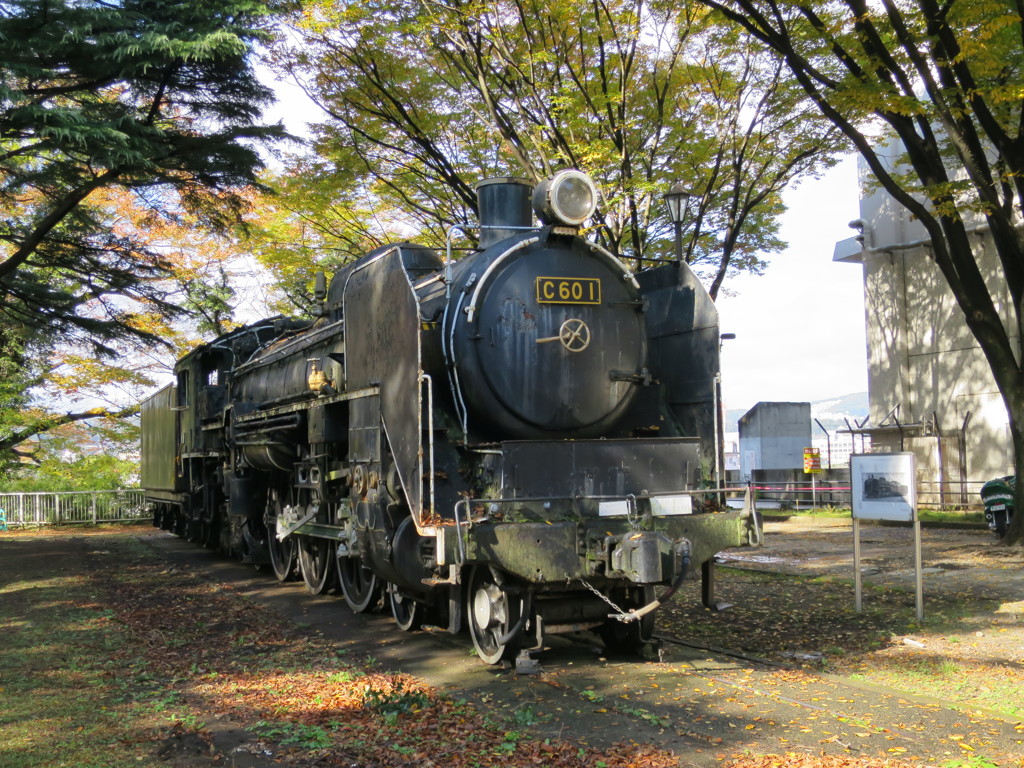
[553, 342]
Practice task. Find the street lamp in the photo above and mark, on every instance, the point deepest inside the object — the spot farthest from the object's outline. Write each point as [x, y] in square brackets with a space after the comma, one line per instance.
[678, 201]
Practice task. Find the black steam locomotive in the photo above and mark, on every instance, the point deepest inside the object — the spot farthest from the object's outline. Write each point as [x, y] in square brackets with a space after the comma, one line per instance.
[525, 440]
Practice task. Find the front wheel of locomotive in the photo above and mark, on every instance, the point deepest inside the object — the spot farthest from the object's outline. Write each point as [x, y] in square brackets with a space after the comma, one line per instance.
[359, 584]
[631, 638]
[493, 615]
[407, 612]
[283, 555]
[315, 557]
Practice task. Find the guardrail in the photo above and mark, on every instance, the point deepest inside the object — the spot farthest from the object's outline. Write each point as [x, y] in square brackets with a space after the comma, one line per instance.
[69, 507]
[830, 493]
[837, 493]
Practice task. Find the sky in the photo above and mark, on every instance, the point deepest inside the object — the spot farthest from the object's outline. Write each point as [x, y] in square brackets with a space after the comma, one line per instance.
[800, 326]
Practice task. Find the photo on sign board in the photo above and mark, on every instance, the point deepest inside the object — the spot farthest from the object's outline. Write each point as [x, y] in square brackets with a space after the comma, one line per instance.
[879, 486]
[883, 486]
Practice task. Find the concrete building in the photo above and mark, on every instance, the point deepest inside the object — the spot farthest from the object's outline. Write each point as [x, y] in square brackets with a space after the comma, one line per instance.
[929, 385]
[773, 436]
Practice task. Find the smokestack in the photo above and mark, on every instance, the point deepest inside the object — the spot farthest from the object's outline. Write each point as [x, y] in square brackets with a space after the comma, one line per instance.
[502, 203]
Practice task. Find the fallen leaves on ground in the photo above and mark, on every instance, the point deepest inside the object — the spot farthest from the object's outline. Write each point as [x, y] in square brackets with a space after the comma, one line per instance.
[968, 650]
[800, 760]
[233, 660]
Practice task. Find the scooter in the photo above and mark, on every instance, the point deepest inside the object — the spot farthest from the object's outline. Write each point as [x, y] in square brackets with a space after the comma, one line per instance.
[997, 496]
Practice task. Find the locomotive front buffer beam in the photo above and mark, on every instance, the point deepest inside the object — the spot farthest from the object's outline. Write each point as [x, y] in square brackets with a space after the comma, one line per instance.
[552, 553]
[604, 550]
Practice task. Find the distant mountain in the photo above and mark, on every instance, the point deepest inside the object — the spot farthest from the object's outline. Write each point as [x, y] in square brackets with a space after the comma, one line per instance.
[831, 412]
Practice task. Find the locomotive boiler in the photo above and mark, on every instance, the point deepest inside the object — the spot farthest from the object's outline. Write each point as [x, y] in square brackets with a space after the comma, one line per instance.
[524, 441]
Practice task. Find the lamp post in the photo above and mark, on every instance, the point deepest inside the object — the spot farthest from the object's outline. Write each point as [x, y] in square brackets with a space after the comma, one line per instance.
[677, 199]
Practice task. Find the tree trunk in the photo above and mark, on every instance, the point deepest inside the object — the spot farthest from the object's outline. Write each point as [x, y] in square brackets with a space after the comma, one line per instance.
[1015, 532]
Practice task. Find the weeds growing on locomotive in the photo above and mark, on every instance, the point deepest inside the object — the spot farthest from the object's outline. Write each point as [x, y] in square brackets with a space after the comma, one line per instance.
[525, 441]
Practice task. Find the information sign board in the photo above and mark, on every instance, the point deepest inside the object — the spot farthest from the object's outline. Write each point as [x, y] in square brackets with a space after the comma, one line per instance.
[883, 486]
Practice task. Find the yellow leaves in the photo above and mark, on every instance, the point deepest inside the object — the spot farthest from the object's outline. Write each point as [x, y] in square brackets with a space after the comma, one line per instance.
[74, 373]
[1007, 93]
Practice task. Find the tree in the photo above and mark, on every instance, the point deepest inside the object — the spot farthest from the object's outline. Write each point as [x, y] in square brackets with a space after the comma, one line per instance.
[426, 98]
[76, 384]
[945, 79]
[151, 104]
[109, 460]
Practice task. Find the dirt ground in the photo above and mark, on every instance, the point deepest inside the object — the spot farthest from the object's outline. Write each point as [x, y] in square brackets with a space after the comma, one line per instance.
[960, 561]
[968, 650]
[968, 654]
[959, 565]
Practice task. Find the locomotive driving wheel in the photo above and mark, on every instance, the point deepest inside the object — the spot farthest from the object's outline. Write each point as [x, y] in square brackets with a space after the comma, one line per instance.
[407, 612]
[315, 557]
[492, 613]
[283, 555]
[359, 584]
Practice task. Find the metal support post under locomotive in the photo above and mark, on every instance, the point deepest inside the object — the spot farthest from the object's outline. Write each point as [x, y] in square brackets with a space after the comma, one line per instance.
[522, 440]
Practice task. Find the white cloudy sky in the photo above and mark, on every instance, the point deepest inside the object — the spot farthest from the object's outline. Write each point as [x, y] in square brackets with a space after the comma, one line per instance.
[800, 326]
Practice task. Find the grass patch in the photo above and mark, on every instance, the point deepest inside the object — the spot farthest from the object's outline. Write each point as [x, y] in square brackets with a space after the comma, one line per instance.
[962, 652]
[936, 516]
[64, 701]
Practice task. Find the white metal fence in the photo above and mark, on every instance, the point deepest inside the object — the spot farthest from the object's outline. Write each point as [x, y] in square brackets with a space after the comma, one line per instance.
[66, 507]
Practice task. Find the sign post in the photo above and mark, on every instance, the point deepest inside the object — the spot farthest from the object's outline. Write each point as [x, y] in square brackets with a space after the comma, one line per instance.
[812, 466]
[884, 488]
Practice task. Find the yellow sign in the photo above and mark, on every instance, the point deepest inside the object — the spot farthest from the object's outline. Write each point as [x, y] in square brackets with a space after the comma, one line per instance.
[568, 290]
[812, 460]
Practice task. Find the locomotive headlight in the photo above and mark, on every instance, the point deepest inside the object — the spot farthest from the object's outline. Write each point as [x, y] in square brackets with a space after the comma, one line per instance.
[567, 198]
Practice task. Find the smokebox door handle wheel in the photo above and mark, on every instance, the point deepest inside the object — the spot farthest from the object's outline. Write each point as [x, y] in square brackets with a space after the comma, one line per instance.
[573, 333]
[492, 613]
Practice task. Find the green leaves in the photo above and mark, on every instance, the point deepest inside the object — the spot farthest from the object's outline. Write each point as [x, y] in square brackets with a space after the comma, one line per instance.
[929, 94]
[109, 112]
[424, 100]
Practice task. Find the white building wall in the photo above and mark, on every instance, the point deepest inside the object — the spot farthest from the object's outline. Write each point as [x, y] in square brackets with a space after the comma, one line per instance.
[924, 366]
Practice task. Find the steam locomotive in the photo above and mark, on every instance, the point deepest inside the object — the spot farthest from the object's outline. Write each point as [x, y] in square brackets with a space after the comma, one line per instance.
[525, 440]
